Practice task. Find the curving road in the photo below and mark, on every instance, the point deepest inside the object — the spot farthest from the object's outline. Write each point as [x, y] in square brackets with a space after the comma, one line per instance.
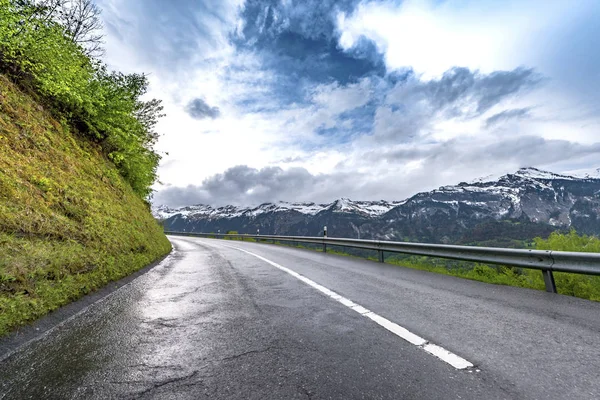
[238, 320]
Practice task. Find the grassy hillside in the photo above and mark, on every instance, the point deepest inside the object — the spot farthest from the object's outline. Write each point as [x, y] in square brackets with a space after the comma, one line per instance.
[69, 223]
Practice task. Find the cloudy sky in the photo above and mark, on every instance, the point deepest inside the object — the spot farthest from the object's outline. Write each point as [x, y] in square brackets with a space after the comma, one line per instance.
[312, 100]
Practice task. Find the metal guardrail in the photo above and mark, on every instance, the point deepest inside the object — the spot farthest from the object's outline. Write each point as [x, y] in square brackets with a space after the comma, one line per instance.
[547, 261]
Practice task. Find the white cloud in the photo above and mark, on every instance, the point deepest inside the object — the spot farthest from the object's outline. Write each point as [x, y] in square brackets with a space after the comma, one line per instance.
[432, 37]
[338, 99]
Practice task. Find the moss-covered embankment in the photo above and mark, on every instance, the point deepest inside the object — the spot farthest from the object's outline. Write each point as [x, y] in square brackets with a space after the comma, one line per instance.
[69, 223]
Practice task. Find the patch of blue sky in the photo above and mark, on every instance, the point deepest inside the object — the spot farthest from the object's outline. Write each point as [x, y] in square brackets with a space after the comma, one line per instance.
[338, 135]
[297, 43]
[348, 126]
[298, 63]
[361, 118]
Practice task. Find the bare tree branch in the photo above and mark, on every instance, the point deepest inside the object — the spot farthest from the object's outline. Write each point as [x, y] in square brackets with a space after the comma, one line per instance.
[81, 19]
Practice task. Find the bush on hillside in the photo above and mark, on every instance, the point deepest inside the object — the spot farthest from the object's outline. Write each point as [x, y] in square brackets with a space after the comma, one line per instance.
[585, 286]
[569, 242]
[39, 53]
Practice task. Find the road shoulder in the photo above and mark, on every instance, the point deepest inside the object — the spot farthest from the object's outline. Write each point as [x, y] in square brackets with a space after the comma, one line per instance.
[39, 328]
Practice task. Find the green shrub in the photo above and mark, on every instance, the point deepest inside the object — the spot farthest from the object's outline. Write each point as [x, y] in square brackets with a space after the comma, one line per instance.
[37, 53]
[569, 242]
[585, 286]
[232, 237]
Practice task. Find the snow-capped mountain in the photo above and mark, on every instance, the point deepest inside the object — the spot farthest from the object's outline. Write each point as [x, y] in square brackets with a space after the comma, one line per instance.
[522, 205]
[343, 205]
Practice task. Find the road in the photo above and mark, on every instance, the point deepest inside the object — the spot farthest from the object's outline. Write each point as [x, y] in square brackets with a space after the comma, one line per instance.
[238, 320]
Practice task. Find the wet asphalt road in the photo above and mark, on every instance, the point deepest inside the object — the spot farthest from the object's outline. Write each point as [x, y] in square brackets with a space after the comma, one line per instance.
[215, 322]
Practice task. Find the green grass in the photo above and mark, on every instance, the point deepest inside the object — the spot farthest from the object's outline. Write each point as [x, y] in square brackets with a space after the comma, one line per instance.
[69, 223]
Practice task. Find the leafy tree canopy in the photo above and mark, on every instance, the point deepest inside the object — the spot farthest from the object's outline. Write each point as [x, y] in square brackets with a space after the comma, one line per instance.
[51, 47]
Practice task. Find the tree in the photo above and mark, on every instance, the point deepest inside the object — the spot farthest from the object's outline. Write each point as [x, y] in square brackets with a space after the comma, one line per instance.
[46, 45]
[81, 19]
[148, 113]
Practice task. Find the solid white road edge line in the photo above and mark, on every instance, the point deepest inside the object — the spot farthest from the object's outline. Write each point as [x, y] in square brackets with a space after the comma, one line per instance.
[433, 349]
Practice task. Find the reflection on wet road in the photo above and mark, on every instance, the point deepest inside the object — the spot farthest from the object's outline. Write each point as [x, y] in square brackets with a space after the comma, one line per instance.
[213, 322]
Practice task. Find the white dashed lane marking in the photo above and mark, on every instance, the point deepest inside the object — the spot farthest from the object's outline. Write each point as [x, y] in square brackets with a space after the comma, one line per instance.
[433, 349]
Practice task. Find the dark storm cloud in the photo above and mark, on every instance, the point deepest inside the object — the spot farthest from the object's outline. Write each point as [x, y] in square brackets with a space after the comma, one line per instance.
[243, 185]
[242, 180]
[198, 109]
[517, 113]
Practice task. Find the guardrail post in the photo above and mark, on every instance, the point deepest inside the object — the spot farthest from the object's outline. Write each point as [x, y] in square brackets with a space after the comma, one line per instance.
[549, 281]
[380, 256]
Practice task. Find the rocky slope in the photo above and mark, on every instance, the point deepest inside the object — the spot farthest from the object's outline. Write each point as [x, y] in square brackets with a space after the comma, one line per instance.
[515, 206]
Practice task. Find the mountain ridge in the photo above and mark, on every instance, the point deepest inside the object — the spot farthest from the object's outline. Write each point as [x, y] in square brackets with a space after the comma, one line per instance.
[373, 208]
[541, 200]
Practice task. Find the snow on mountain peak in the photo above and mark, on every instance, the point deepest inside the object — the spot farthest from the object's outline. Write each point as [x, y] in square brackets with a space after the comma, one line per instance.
[164, 212]
[304, 208]
[534, 173]
[594, 175]
[370, 208]
[484, 179]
